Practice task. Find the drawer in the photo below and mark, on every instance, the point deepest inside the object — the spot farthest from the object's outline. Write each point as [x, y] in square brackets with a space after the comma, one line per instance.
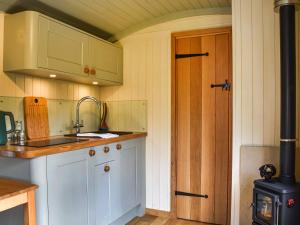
[104, 153]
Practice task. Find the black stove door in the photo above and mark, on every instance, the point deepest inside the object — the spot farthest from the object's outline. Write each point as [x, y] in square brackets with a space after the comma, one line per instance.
[265, 207]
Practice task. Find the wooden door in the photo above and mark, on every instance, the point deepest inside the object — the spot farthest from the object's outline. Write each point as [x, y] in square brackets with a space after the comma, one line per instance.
[203, 126]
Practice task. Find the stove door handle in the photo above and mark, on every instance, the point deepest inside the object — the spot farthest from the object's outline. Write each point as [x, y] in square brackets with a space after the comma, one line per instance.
[278, 204]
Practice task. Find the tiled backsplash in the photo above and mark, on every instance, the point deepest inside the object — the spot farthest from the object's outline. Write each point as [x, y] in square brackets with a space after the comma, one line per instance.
[122, 115]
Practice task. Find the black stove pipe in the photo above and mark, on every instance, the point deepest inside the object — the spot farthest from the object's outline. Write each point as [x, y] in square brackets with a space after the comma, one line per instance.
[288, 94]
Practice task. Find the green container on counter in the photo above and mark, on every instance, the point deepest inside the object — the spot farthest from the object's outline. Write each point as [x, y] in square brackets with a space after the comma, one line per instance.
[3, 129]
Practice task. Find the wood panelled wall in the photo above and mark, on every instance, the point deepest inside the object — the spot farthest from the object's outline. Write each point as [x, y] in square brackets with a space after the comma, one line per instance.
[256, 81]
[147, 76]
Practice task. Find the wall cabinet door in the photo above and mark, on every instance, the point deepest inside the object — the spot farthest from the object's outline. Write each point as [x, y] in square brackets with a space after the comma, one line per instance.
[67, 175]
[61, 48]
[124, 181]
[106, 61]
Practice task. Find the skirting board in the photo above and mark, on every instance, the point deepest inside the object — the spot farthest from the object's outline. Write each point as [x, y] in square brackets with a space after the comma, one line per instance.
[158, 213]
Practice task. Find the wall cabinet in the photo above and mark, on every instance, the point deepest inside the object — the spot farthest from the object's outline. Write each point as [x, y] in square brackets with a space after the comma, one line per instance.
[38, 45]
[106, 61]
[61, 48]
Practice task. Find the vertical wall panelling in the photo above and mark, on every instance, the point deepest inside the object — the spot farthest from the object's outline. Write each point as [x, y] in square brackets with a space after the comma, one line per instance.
[237, 111]
[257, 81]
[269, 72]
[256, 92]
[156, 96]
[147, 77]
[247, 71]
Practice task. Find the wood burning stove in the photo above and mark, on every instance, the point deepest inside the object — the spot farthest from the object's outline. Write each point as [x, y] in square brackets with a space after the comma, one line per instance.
[277, 201]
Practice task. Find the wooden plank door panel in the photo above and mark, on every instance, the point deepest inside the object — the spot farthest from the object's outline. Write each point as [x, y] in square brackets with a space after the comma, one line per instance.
[202, 116]
[208, 160]
[195, 126]
[222, 129]
[183, 127]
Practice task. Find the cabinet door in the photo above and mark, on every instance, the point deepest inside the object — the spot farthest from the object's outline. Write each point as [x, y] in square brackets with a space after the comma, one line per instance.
[124, 181]
[106, 60]
[62, 48]
[100, 178]
[67, 175]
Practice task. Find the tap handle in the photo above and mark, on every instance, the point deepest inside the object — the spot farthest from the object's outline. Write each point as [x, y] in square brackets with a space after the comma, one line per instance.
[77, 124]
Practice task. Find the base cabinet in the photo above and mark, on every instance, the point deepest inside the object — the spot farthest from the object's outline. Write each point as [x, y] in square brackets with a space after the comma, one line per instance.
[114, 183]
[100, 176]
[67, 188]
[124, 180]
[106, 188]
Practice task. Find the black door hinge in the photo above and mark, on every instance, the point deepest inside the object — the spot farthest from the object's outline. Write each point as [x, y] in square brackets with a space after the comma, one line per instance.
[180, 56]
[190, 194]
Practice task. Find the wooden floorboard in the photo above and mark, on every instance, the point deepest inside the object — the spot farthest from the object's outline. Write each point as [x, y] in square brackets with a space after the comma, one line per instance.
[154, 220]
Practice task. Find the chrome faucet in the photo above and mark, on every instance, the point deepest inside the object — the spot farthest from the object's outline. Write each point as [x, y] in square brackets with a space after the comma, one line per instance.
[77, 124]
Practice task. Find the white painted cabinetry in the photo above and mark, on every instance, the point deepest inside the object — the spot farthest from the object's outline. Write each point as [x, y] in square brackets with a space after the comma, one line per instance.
[115, 182]
[79, 188]
[67, 178]
[107, 187]
[62, 48]
[39, 45]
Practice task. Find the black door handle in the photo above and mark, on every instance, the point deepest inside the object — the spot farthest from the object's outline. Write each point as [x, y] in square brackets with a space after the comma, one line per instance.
[225, 86]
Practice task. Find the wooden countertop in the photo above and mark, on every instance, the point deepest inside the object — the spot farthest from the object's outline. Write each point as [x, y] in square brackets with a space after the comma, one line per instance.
[10, 188]
[33, 152]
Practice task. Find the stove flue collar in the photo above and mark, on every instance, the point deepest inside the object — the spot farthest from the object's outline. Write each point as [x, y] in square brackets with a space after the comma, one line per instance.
[279, 3]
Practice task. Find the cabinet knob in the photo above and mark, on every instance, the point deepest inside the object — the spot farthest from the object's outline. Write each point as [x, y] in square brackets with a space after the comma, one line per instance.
[93, 71]
[92, 153]
[106, 149]
[86, 70]
[106, 169]
[119, 146]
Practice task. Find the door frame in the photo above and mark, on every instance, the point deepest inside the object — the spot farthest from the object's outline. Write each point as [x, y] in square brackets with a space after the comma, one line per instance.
[186, 34]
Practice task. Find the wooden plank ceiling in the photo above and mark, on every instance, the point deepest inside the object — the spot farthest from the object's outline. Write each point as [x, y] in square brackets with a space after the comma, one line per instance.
[118, 18]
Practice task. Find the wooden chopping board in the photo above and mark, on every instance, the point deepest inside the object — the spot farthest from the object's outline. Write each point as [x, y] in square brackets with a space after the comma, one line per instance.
[36, 117]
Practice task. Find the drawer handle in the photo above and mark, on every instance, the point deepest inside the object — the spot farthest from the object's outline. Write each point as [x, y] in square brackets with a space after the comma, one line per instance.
[86, 70]
[119, 146]
[106, 169]
[92, 153]
[106, 149]
[93, 71]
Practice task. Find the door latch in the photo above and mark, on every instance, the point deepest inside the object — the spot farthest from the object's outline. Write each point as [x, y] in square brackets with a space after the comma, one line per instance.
[225, 86]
